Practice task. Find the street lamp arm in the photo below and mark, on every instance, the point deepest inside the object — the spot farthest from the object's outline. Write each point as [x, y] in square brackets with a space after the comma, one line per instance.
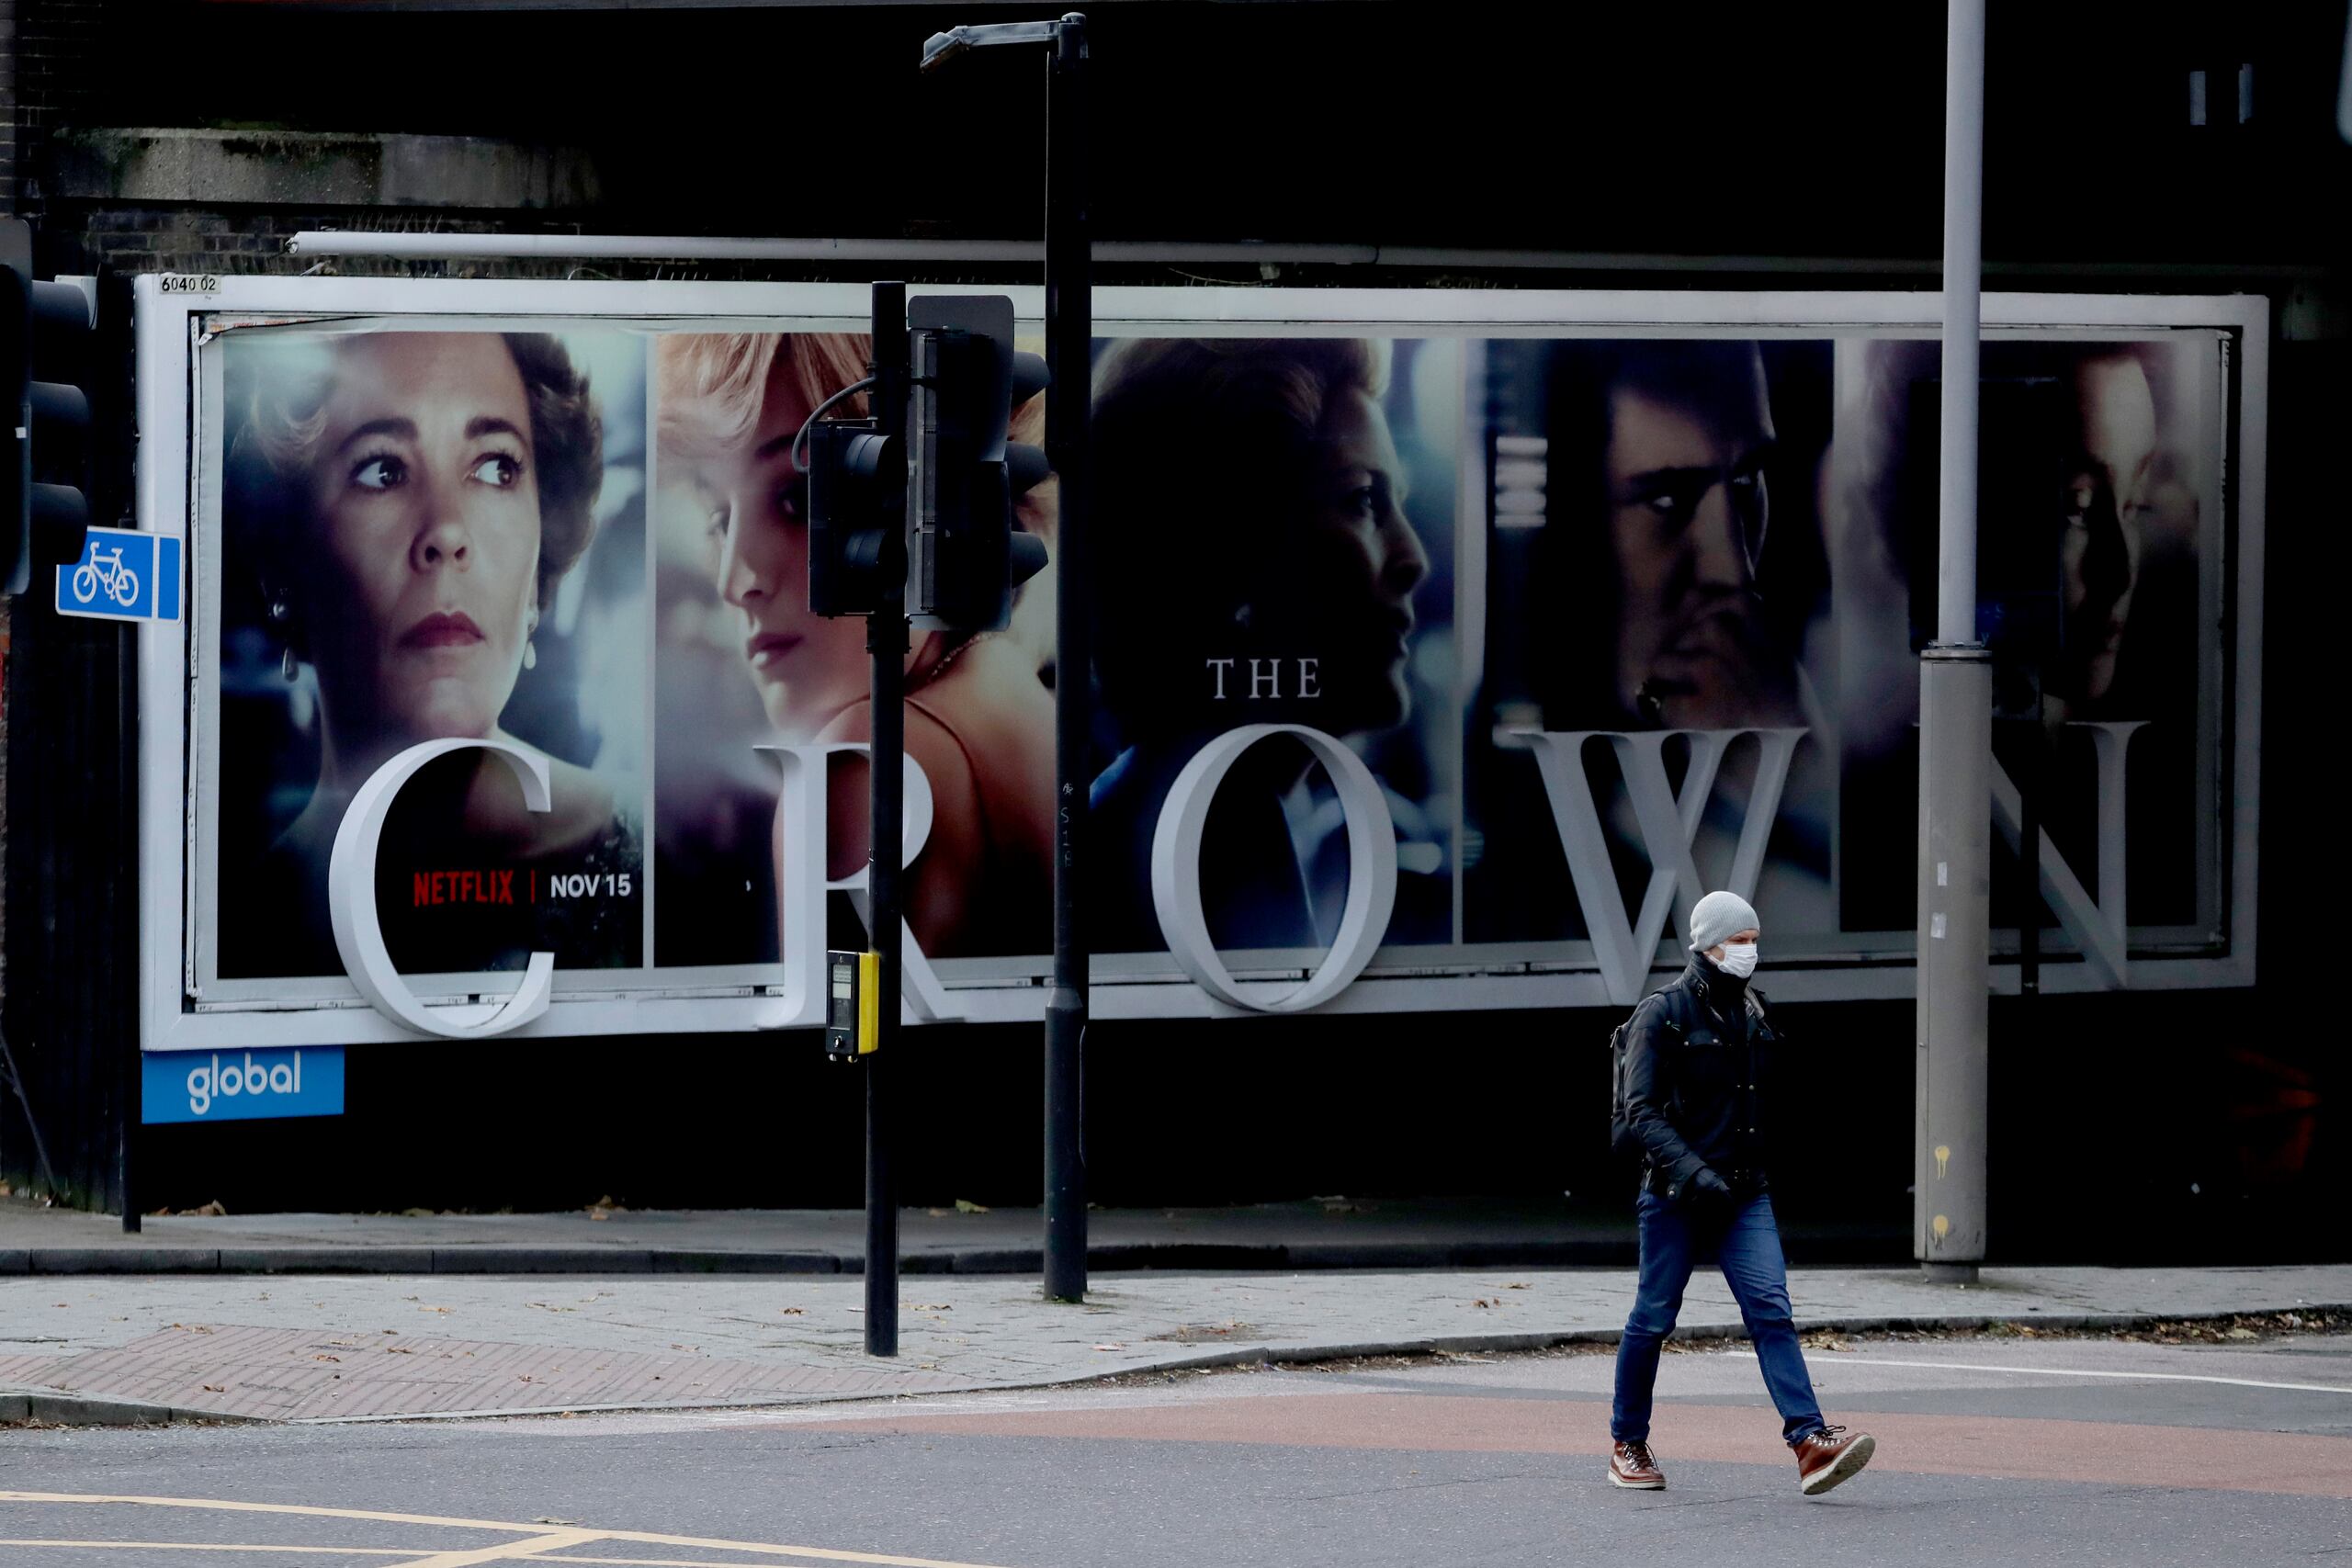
[940, 47]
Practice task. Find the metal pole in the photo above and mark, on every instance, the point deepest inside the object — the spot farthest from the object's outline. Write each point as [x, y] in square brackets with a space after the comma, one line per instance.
[886, 640]
[132, 1060]
[2029, 844]
[1069, 330]
[1955, 731]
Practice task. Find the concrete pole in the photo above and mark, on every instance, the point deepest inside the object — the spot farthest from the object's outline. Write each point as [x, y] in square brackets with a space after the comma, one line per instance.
[1956, 731]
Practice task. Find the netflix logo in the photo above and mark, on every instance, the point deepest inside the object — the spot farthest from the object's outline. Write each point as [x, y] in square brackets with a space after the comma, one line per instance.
[436, 887]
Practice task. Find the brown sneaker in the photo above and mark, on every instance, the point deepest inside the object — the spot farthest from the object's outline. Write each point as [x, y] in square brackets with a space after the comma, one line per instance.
[1831, 1456]
[1631, 1464]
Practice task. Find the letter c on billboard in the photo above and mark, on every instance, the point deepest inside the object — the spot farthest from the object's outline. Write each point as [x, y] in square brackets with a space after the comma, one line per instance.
[351, 900]
[1371, 868]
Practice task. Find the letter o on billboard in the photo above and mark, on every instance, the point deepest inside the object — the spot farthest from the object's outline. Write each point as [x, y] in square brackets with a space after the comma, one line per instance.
[1371, 868]
[351, 899]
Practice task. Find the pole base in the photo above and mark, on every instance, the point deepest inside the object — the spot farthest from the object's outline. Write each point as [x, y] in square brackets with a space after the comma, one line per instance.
[1948, 1273]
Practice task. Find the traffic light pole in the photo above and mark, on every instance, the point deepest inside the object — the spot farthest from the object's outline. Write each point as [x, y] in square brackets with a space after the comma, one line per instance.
[1070, 331]
[885, 641]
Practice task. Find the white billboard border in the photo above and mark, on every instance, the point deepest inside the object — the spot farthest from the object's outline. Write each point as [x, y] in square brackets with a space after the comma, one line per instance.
[168, 307]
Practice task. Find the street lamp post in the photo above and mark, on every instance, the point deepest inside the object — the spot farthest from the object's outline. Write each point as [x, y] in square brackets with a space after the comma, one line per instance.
[1069, 330]
[1955, 732]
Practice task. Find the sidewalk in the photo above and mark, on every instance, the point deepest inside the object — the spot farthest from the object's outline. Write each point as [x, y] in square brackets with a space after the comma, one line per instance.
[328, 1347]
[1328, 1234]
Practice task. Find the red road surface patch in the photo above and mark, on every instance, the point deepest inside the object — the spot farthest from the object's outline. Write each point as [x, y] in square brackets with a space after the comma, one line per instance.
[283, 1374]
[2296, 1464]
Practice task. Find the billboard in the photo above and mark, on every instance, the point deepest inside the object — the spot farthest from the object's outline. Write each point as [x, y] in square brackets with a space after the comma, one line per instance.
[1447, 645]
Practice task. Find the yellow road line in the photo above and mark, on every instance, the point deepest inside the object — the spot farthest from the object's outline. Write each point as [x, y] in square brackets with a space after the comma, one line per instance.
[635, 1537]
[506, 1551]
[216, 1546]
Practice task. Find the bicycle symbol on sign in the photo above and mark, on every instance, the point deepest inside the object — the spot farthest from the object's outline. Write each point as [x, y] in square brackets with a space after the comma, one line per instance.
[106, 571]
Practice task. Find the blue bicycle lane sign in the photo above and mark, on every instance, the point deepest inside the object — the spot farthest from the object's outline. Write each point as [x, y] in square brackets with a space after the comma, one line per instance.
[125, 575]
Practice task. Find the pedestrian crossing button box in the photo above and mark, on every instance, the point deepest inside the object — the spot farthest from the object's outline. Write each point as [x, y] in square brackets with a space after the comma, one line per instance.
[851, 1010]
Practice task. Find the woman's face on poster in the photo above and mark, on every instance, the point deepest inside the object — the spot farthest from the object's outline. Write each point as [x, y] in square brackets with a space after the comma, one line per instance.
[1351, 576]
[424, 509]
[2106, 500]
[807, 668]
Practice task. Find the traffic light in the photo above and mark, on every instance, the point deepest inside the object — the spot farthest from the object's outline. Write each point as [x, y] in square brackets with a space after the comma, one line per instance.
[49, 353]
[964, 555]
[946, 489]
[857, 493]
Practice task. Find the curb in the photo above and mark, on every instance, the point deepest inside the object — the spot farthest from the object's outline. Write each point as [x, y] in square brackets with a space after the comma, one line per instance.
[52, 1408]
[1290, 1355]
[1114, 1258]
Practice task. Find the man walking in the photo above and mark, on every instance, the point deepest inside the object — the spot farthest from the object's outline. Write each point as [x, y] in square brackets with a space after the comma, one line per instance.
[1692, 1060]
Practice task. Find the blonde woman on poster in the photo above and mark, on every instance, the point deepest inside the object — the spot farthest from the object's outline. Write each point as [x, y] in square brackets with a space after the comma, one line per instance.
[979, 718]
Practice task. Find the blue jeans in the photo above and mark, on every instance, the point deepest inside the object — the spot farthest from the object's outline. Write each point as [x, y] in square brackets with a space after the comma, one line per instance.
[1747, 1244]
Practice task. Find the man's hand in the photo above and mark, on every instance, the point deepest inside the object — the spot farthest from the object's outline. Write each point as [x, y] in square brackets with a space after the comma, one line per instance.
[1706, 1187]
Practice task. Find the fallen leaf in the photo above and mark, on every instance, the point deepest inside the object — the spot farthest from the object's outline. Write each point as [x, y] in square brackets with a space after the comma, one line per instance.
[324, 1357]
[796, 1311]
[1110, 1347]
[965, 1206]
[549, 1518]
[929, 1306]
[1482, 1302]
[1518, 1286]
[433, 1309]
[216, 1388]
[608, 1214]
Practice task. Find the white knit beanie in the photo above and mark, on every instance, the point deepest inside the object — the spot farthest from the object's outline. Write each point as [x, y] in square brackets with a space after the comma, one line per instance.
[1718, 916]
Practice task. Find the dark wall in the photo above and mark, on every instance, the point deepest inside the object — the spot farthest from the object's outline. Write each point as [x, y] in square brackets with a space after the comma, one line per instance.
[1731, 132]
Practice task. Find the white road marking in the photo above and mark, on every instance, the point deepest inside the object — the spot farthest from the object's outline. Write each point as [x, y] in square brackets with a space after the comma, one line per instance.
[2072, 1372]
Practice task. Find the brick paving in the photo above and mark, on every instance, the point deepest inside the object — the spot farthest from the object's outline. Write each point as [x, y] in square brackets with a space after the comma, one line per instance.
[296, 1374]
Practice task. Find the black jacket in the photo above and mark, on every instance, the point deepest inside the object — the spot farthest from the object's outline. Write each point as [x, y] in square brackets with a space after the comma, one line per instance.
[1697, 1060]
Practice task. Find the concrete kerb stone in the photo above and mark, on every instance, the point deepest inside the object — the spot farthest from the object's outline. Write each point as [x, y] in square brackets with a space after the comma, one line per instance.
[803, 1262]
[47, 1407]
[542, 1260]
[124, 1260]
[327, 1261]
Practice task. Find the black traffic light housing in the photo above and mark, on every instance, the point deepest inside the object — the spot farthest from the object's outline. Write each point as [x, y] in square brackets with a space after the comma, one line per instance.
[857, 490]
[945, 490]
[964, 557]
[63, 348]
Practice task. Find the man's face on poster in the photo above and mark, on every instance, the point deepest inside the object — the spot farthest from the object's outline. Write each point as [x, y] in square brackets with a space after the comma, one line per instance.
[2106, 497]
[1687, 510]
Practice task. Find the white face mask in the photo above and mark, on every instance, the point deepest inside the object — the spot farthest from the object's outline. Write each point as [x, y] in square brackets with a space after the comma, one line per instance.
[1738, 960]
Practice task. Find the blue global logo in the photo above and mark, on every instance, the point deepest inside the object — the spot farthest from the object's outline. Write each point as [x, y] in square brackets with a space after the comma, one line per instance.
[219, 1085]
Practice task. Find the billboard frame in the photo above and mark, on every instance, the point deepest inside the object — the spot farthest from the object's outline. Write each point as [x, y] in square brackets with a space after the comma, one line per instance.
[170, 309]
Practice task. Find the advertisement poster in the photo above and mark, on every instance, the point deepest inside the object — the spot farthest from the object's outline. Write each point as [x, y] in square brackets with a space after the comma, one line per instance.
[426, 535]
[1607, 616]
